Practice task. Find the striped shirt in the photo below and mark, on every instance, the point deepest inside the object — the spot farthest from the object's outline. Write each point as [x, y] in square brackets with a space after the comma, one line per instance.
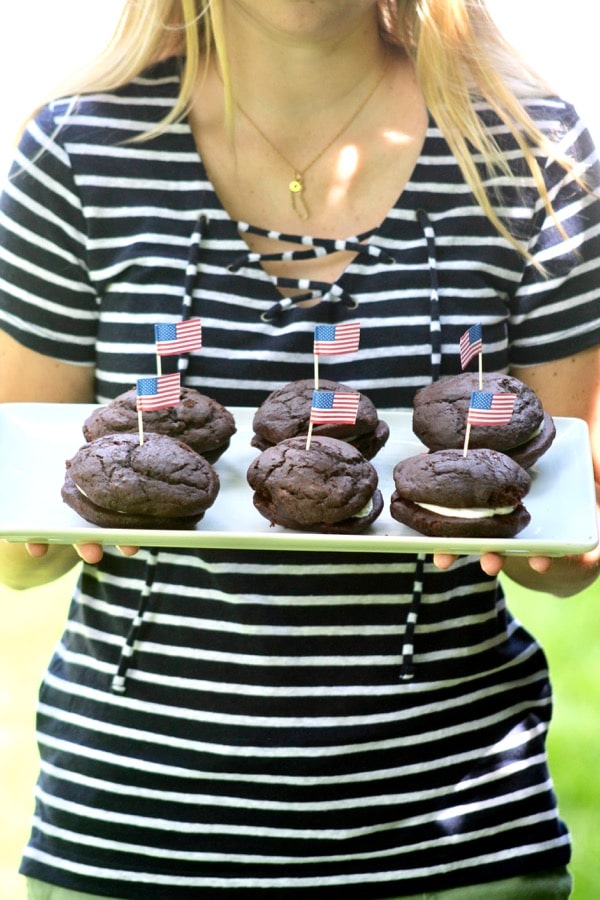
[286, 724]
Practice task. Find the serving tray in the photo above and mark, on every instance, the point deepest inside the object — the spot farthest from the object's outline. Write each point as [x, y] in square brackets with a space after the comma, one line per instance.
[37, 438]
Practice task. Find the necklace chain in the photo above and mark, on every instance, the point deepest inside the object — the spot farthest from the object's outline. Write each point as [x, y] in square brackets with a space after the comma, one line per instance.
[296, 185]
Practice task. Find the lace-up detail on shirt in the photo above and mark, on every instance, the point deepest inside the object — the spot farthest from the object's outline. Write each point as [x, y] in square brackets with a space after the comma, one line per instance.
[313, 248]
[128, 649]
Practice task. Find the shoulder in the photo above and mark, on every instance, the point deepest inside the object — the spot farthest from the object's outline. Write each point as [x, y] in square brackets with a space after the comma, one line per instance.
[565, 136]
[549, 112]
[555, 117]
[115, 114]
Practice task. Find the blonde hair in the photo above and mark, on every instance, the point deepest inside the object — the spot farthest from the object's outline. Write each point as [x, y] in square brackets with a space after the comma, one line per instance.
[459, 55]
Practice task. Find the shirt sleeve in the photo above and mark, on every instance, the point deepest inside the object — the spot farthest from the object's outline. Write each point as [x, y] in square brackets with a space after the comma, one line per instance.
[556, 310]
[47, 301]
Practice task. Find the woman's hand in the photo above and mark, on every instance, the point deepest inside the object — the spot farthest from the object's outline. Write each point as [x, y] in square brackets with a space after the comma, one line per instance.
[27, 565]
[493, 563]
[89, 553]
[562, 576]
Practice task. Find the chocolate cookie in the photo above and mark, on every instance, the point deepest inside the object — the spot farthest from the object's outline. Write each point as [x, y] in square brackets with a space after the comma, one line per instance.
[116, 482]
[201, 422]
[286, 413]
[447, 494]
[329, 488]
[440, 417]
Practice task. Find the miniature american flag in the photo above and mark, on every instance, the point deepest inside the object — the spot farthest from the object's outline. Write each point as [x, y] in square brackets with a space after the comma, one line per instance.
[470, 344]
[158, 392]
[331, 340]
[178, 337]
[334, 407]
[490, 409]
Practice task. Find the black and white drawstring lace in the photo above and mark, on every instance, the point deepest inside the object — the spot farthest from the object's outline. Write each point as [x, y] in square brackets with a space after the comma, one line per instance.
[407, 667]
[190, 280]
[435, 326]
[128, 648]
[312, 248]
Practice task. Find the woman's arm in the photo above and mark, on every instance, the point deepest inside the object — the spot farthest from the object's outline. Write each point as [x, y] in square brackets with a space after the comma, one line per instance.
[568, 387]
[26, 376]
[30, 377]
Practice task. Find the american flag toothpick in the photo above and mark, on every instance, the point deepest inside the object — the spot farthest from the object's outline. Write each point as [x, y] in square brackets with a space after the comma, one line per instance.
[332, 408]
[156, 392]
[470, 345]
[488, 409]
[334, 340]
[331, 340]
[174, 338]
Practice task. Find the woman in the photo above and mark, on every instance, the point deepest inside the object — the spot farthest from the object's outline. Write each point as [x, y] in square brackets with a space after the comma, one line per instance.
[314, 162]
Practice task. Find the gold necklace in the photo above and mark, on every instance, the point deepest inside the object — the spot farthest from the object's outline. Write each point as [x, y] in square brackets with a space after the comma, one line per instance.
[296, 185]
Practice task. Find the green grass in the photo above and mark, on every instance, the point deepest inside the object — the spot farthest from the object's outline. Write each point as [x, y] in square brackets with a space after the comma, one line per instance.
[568, 629]
[32, 622]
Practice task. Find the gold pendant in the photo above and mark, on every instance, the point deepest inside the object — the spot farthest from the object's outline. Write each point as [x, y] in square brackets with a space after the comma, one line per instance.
[299, 206]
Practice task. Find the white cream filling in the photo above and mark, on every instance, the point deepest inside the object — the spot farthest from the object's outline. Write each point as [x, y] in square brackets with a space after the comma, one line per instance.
[537, 431]
[466, 513]
[83, 493]
[365, 511]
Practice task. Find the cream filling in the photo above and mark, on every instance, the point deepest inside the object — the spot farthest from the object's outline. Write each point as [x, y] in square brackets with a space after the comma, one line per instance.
[83, 493]
[467, 513]
[365, 511]
[537, 431]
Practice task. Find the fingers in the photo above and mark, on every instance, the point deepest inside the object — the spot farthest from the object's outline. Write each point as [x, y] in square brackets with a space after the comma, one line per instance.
[540, 564]
[37, 550]
[90, 553]
[444, 560]
[493, 563]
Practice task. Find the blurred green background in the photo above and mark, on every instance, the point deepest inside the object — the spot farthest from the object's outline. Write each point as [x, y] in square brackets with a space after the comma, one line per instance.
[568, 629]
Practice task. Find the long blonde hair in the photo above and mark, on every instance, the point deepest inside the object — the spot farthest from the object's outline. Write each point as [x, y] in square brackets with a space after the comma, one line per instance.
[459, 55]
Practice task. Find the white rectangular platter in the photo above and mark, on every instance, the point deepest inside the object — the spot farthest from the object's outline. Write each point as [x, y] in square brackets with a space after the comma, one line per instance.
[37, 438]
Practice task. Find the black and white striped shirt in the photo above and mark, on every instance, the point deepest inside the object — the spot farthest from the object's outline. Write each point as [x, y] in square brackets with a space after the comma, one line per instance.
[266, 744]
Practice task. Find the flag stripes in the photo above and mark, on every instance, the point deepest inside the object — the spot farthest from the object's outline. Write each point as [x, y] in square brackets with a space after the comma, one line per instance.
[490, 409]
[331, 340]
[470, 344]
[334, 407]
[158, 392]
[178, 337]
